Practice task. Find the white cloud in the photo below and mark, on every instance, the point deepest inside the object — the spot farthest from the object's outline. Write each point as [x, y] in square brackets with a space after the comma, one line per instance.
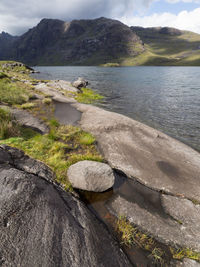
[184, 20]
[184, 1]
[17, 16]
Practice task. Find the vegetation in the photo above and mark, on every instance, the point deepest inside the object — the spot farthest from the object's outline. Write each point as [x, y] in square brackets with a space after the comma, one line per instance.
[28, 105]
[8, 127]
[88, 96]
[111, 65]
[131, 235]
[62, 147]
[166, 49]
[185, 253]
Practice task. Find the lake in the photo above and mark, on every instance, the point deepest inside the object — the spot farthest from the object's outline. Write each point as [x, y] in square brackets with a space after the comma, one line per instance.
[166, 98]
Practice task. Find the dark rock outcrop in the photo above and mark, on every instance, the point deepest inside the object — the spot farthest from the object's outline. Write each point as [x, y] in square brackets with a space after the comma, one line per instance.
[56, 42]
[41, 225]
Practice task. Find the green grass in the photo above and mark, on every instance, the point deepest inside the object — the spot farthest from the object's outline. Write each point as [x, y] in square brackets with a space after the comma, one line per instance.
[88, 96]
[131, 235]
[59, 149]
[12, 92]
[185, 253]
[29, 105]
[8, 127]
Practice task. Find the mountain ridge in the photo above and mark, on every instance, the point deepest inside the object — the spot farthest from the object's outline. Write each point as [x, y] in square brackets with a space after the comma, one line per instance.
[100, 41]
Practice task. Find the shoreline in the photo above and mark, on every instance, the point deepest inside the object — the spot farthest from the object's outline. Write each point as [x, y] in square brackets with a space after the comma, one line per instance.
[152, 159]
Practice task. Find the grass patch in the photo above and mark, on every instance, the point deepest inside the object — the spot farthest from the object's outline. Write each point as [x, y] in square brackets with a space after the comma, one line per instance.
[88, 96]
[12, 93]
[59, 149]
[8, 127]
[131, 236]
[185, 253]
[47, 101]
[29, 105]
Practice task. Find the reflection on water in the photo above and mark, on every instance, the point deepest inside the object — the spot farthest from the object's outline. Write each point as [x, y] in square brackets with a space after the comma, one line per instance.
[166, 98]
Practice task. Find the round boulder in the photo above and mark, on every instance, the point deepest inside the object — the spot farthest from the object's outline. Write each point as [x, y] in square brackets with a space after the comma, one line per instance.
[80, 83]
[91, 176]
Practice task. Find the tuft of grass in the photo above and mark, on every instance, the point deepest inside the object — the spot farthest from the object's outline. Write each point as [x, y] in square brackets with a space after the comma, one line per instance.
[12, 92]
[29, 105]
[130, 236]
[179, 254]
[3, 75]
[47, 101]
[59, 149]
[8, 127]
[86, 139]
[88, 96]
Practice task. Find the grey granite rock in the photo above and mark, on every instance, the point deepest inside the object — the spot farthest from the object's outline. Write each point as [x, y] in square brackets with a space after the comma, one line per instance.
[41, 225]
[153, 158]
[91, 176]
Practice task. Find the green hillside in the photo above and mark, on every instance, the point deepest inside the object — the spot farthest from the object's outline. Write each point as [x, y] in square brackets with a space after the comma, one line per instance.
[166, 48]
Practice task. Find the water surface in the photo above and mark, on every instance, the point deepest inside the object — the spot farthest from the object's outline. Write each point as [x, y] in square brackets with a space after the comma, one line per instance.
[166, 98]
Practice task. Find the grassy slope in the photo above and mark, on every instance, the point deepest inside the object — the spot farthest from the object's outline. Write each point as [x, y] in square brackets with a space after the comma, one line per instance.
[63, 145]
[166, 50]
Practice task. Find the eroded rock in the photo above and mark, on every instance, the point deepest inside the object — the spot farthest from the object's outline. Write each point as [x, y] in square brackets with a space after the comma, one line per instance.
[41, 225]
[81, 82]
[91, 176]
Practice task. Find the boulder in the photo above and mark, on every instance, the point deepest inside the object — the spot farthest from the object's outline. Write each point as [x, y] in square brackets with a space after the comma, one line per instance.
[80, 83]
[42, 225]
[91, 176]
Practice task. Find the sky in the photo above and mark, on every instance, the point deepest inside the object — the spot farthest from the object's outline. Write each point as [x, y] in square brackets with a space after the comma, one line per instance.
[16, 17]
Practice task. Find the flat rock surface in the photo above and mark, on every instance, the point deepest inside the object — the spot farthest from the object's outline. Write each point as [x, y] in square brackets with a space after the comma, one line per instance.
[91, 176]
[171, 220]
[54, 93]
[65, 113]
[63, 85]
[26, 119]
[153, 158]
[41, 225]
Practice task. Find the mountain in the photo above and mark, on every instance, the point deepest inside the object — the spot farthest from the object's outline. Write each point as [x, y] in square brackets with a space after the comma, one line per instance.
[100, 41]
[6, 44]
[79, 42]
[168, 46]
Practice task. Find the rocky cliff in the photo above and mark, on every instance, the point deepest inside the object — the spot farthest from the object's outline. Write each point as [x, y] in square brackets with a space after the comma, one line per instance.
[55, 42]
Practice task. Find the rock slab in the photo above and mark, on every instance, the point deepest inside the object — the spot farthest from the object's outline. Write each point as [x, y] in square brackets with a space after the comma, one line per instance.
[91, 176]
[41, 225]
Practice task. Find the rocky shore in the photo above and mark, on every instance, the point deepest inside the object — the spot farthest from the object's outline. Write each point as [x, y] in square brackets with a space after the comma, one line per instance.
[42, 225]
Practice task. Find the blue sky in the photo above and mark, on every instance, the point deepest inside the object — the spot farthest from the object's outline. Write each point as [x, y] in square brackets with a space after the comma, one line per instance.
[181, 14]
[175, 8]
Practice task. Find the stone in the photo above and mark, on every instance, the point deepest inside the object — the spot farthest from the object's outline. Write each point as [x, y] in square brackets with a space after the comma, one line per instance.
[42, 225]
[62, 85]
[91, 176]
[54, 93]
[143, 153]
[80, 83]
[185, 263]
[170, 220]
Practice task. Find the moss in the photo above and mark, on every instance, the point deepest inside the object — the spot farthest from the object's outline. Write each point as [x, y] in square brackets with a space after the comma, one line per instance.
[88, 96]
[59, 149]
[29, 105]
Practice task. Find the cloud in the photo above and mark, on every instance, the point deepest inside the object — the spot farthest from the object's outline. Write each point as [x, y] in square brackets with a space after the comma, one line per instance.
[17, 16]
[184, 1]
[184, 20]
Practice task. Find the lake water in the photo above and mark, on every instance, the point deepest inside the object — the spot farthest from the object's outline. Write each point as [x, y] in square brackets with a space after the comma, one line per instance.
[166, 98]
